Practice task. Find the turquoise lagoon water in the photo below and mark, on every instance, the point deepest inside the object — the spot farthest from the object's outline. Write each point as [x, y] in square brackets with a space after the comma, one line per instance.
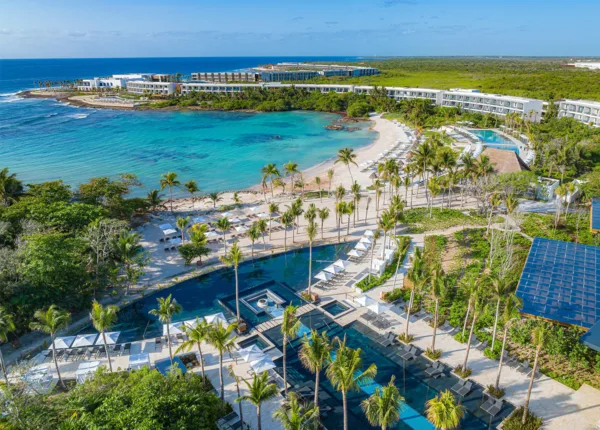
[44, 140]
[493, 139]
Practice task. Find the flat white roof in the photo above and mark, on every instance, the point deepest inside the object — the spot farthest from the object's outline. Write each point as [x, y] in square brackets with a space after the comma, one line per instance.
[582, 102]
[499, 96]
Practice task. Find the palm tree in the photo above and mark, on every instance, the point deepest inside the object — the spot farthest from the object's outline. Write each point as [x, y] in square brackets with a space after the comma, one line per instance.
[10, 187]
[155, 201]
[443, 411]
[169, 180]
[469, 286]
[398, 242]
[330, 174]
[127, 249]
[6, 326]
[383, 407]
[51, 321]
[253, 234]
[318, 184]
[376, 236]
[167, 308]
[437, 287]
[220, 337]
[347, 156]
[192, 188]
[311, 232]
[289, 329]
[195, 336]
[340, 210]
[344, 372]
[233, 259]
[260, 391]
[315, 355]
[291, 169]
[478, 307]
[214, 198]
[386, 222]
[182, 224]
[508, 317]
[287, 219]
[500, 287]
[239, 394]
[296, 209]
[103, 319]
[349, 210]
[323, 215]
[539, 337]
[273, 209]
[223, 225]
[270, 171]
[296, 415]
[434, 189]
[418, 277]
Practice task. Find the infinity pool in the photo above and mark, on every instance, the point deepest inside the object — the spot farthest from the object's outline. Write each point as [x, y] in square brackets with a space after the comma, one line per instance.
[492, 139]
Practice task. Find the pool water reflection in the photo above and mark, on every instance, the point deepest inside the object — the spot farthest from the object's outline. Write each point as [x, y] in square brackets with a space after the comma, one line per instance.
[492, 139]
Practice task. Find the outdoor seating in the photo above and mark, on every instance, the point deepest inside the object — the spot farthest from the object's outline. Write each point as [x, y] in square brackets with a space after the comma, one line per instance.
[409, 353]
[447, 327]
[524, 367]
[492, 406]
[127, 348]
[482, 346]
[465, 389]
[435, 370]
[117, 349]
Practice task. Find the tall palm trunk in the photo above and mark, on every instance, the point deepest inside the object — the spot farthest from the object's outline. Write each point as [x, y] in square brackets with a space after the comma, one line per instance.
[169, 341]
[106, 350]
[221, 376]
[435, 321]
[269, 227]
[171, 197]
[316, 400]
[259, 427]
[56, 361]
[372, 255]
[501, 356]
[309, 266]
[285, 365]
[397, 268]
[201, 364]
[345, 404]
[322, 222]
[535, 363]
[496, 324]
[469, 342]
[237, 295]
[339, 228]
[285, 239]
[348, 230]
[466, 319]
[410, 305]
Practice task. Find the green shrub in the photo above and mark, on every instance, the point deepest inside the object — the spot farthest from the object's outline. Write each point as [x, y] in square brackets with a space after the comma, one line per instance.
[390, 269]
[496, 392]
[514, 421]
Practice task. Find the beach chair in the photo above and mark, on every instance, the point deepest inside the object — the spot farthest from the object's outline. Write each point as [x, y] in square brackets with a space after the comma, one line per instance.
[117, 349]
[447, 327]
[482, 346]
[458, 386]
[410, 354]
[127, 348]
[435, 370]
[524, 367]
[466, 389]
[492, 406]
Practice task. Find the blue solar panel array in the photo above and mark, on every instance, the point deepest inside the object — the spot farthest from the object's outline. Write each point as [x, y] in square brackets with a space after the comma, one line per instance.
[561, 282]
[596, 214]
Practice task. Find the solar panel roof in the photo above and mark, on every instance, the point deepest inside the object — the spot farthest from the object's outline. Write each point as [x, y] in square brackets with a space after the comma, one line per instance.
[595, 221]
[592, 337]
[561, 282]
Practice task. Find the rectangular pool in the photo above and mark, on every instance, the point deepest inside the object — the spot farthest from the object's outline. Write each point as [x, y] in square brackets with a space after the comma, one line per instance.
[335, 308]
[493, 139]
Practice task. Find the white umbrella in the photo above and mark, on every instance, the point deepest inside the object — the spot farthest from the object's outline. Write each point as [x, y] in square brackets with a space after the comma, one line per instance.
[262, 364]
[191, 323]
[169, 231]
[111, 338]
[227, 214]
[199, 219]
[234, 220]
[333, 269]
[212, 234]
[342, 263]
[363, 300]
[378, 308]
[166, 226]
[84, 340]
[174, 328]
[275, 224]
[242, 228]
[361, 246]
[251, 353]
[263, 215]
[216, 318]
[324, 276]
[365, 239]
[64, 342]
[356, 253]
[252, 209]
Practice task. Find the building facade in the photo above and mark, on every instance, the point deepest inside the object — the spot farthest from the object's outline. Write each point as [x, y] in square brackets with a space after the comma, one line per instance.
[584, 111]
[496, 104]
[226, 76]
[149, 88]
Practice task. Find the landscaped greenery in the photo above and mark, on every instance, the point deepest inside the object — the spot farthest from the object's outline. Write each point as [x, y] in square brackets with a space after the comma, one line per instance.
[514, 422]
[390, 269]
[418, 219]
[576, 228]
[144, 399]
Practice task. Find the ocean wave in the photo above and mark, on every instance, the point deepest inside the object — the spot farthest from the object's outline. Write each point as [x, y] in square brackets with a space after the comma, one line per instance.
[10, 98]
[50, 115]
[79, 115]
[8, 94]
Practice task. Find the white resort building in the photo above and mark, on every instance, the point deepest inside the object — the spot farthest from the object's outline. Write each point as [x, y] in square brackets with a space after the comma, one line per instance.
[584, 111]
[148, 88]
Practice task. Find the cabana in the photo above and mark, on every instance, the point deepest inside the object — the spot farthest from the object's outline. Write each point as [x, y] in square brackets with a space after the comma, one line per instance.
[165, 366]
[137, 361]
[218, 318]
[323, 276]
[86, 370]
[378, 308]
[63, 342]
[263, 364]
[111, 338]
[251, 353]
[175, 328]
[84, 340]
[333, 269]
[363, 300]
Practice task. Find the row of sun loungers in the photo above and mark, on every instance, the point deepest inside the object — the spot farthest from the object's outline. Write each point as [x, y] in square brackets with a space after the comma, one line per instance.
[85, 353]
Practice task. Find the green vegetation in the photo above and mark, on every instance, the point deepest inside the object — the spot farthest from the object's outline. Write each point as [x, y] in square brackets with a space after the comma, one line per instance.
[418, 219]
[367, 284]
[140, 399]
[576, 228]
[536, 78]
[514, 421]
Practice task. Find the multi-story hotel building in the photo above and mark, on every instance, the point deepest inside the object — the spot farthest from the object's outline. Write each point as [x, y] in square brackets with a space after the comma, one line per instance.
[226, 76]
[584, 111]
[493, 103]
[148, 88]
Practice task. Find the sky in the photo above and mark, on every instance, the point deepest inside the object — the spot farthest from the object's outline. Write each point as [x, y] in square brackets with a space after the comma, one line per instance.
[185, 28]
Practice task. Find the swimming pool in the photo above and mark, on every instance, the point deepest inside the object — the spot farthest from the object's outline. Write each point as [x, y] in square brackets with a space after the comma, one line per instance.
[203, 295]
[414, 385]
[493, 139]
[335, 308]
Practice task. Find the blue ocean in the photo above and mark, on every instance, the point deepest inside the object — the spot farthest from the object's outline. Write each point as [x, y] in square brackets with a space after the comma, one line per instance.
[43, 140]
